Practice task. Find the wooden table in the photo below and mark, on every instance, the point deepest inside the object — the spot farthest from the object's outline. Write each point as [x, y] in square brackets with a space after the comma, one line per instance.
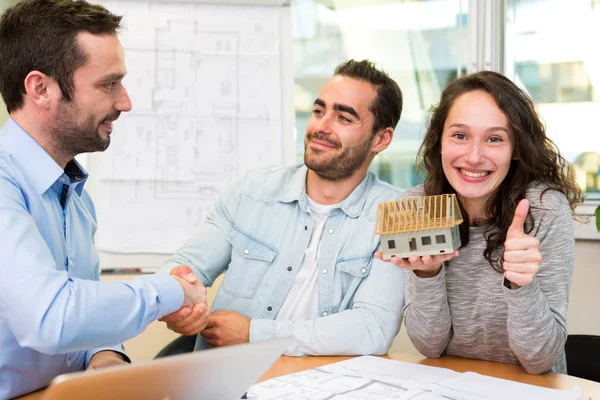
[287, 365]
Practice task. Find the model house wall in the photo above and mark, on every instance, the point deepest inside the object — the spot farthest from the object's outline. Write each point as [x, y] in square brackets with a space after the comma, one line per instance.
[420, 243]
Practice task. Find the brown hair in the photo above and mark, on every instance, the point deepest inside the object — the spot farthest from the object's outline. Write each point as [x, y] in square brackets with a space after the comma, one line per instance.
[41, 35]
[537, 158]
[387, 106]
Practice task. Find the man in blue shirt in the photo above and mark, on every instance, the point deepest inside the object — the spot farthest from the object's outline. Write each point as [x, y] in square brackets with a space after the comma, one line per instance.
[60, 77]
[296, 242]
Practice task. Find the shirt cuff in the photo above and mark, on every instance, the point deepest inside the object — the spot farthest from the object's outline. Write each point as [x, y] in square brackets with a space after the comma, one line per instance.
[117, 349]
[262, 329]
[170, 294]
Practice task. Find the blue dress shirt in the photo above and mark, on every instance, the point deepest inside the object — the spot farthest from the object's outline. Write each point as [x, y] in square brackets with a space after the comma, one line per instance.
[53, 316]
[258, 232]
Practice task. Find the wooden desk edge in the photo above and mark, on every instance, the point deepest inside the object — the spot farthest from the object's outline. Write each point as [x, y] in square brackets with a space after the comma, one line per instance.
[289, 365]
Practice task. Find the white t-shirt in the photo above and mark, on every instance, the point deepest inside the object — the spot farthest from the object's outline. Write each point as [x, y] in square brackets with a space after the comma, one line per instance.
[301, 302]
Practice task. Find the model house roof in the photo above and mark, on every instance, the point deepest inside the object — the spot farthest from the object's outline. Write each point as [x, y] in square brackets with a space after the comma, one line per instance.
[418, 214]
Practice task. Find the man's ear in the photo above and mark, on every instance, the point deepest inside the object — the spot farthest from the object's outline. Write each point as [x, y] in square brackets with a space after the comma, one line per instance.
[382, 139]
[40, 89]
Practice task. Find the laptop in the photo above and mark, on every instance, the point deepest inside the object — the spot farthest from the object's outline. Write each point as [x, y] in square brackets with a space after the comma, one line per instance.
[220, 373]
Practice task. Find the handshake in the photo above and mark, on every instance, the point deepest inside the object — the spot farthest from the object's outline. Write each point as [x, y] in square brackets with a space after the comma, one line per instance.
[219, 328]
[192, 317]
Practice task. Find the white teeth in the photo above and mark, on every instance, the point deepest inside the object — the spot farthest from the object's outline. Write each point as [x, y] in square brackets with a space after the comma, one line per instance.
[474, 174]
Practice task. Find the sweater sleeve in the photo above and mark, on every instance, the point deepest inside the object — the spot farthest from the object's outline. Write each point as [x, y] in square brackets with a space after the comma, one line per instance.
[537, 313]
[427, 314]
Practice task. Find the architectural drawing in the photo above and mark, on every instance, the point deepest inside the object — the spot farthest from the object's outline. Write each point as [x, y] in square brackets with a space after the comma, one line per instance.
[375, 378]
[205, 84]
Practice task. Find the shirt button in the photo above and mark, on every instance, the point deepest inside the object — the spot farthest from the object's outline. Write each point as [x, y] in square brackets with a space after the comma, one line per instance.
[364, 270]
[61, 179]
[325, 313]
[69, 362]
[330, 231]
[324, 270]
[289, 268]
[246, 252]
[270, 308]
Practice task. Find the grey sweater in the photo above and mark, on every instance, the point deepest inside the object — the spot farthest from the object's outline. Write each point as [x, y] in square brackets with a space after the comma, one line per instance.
[465, 310]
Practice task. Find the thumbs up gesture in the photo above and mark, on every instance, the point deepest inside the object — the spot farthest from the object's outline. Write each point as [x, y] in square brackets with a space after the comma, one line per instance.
[522, 255]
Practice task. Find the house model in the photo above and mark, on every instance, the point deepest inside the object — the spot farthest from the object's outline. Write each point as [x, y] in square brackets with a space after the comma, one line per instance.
[419, 226]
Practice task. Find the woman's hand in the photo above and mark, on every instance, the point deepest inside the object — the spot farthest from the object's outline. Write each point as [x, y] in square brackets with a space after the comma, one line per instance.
[522, 257]
[424, 267]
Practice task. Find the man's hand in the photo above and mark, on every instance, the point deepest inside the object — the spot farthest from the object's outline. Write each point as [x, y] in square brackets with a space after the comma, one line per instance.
[522, 257]
[188, 320]
[193, 316]
[193, 290]
[104, 359]
[423, 267]
[226, 328]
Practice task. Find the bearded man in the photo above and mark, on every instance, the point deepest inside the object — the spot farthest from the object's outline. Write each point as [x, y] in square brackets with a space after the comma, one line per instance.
[297, 242]
[61, 79]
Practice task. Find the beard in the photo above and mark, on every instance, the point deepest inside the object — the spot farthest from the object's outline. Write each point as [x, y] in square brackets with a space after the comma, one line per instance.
[75, 137]
[337, 167]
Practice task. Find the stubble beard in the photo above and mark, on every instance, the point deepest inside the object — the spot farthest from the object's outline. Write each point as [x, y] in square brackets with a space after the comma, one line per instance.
[340, 166]
[76, 138]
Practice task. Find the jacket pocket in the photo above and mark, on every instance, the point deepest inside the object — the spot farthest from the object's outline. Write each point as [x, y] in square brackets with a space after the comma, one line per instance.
[357, 266]
[249, 261]
[350, 272]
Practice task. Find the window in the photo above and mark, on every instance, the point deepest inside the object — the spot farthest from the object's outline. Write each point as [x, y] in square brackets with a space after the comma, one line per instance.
[560, 70]
[391, 244]
[547, 47]
[425, 240]
[419, 43]
[412, 244]
[440, 239]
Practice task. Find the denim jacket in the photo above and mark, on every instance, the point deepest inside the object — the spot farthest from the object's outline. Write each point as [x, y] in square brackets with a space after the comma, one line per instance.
[258, 232]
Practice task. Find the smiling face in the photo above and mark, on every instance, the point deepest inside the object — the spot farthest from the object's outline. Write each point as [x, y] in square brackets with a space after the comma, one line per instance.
[84, 124]
[477, 149]
[339, 135]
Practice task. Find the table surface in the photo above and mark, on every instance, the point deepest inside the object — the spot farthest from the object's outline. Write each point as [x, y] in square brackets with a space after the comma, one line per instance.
[287, 365]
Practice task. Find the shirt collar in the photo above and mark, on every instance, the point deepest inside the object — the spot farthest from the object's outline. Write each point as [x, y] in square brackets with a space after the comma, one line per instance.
[295, 190]
[76, 175]
[40, 168]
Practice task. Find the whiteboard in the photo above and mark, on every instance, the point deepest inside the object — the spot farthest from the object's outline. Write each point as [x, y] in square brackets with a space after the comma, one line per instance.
[211, 87]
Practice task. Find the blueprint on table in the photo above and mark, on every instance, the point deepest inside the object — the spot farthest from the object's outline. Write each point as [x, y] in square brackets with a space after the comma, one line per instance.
[377, 378]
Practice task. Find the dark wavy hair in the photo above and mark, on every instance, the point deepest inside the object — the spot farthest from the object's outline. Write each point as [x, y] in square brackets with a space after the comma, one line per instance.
[41, 35]
[536, 158]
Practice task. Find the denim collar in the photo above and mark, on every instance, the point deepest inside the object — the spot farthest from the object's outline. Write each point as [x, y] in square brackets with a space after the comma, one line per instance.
[352, 206]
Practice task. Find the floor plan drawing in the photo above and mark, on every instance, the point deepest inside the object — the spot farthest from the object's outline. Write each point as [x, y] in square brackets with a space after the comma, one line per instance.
[205, 85]
[375, 378]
